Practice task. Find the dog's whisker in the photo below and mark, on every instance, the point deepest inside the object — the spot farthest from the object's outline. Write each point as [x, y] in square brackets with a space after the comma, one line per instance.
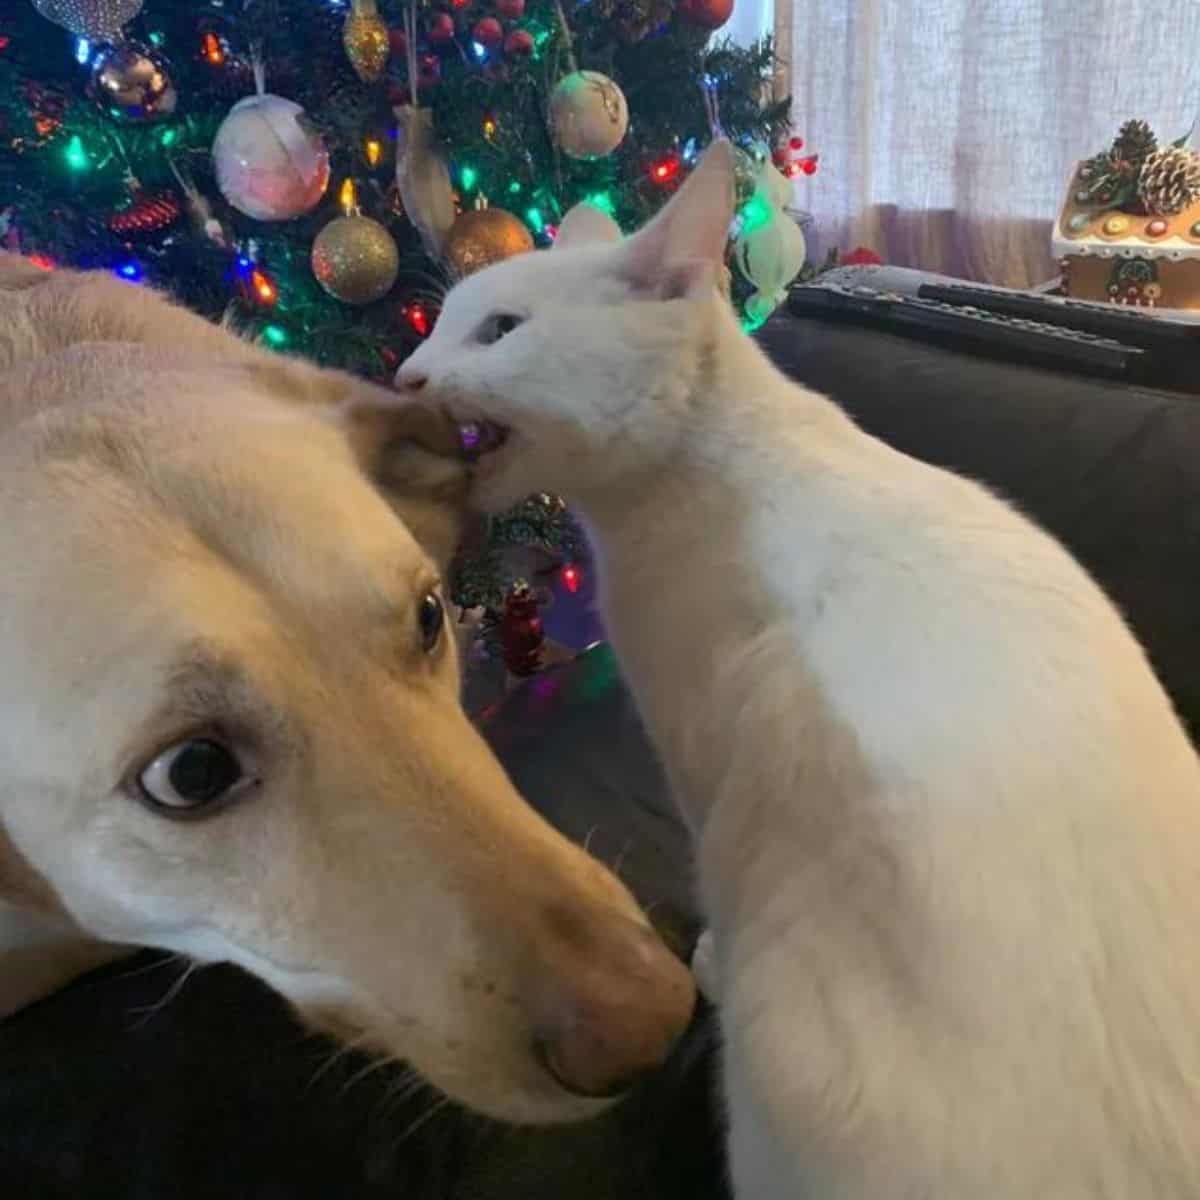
[336, 1055]
[149, 1012]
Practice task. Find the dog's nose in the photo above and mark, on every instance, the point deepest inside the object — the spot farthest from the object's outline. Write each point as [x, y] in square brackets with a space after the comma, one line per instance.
[411, 379]
[613, 1015]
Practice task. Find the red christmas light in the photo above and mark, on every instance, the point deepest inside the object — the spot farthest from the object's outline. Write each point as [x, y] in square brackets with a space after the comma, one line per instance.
[571, 577]
[665, 169]
[417, 315]
[264, 287]
[212, 49]
[42, 261]
[5, 40]
[796, 143]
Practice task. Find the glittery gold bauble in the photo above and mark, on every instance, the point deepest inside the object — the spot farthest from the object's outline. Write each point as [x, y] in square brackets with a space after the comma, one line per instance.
[365, 37]
[483, 236]
[355, 259]
[588, 114]
[96, 20]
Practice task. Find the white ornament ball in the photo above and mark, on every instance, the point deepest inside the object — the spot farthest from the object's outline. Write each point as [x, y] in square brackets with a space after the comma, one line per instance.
[270, 164]
[588, 114]
[770, 256]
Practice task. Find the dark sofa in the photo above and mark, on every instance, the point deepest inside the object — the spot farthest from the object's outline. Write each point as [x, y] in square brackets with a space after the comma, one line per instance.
[217, 1093]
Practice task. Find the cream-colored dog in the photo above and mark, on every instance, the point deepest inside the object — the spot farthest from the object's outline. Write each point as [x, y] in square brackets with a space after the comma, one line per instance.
[230, 720]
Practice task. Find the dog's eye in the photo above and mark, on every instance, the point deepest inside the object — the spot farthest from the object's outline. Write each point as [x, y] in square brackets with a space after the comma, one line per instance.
[190, 776]
[431, 616]
[497, 326]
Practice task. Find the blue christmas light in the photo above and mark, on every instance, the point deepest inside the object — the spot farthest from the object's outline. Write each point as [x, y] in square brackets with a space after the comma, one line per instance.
[690, 150]
[130, 270]
[479, 50]
[83, 51]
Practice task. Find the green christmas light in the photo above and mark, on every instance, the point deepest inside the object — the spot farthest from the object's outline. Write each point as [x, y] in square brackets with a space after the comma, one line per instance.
[76, 155]
[468, 177]
[603, 201]
[157, 37]
[756, 212]
[514, 188]
[168, 136]
[535, 219]
[275, 335]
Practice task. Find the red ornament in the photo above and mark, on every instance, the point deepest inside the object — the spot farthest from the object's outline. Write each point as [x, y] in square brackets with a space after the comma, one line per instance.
[860, 256]
[511, 10]
[398, 42]
[796, 143]
[488, 32]
[519, 43]
[148, 214]
[521, 636]
[441, 29]
[708, 14]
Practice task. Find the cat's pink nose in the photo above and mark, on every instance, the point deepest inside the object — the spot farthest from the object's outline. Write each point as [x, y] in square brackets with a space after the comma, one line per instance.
[410, 379]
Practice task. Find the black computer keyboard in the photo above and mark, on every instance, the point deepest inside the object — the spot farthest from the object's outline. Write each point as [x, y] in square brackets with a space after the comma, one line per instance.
[1016, 326]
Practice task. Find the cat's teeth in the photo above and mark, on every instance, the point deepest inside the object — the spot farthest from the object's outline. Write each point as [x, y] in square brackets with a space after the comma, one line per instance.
[479, 437]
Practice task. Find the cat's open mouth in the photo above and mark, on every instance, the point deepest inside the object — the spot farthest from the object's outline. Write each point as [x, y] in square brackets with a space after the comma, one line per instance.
[478, 438]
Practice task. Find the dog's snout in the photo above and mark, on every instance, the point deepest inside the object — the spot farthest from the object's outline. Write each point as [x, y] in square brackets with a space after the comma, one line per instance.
[612, 1009]
[411, 379]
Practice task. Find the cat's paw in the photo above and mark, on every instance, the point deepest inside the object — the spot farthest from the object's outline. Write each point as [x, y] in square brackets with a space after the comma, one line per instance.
[704, 966]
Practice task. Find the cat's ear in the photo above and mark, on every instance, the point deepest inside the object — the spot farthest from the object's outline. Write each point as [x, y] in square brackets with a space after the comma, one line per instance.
[586, 225]
[681, 252]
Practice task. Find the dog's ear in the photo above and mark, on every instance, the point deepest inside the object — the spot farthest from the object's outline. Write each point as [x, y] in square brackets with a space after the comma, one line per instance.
[415, 458]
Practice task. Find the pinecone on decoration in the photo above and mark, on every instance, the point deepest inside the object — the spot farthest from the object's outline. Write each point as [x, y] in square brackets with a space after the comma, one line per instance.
[521, 635]
[1134, 144]
[148, 214]
[1169, 180]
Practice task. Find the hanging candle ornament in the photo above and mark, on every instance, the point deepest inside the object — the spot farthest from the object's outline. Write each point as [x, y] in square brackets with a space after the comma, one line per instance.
[271, 164]
[483, 236]
[365, 37]
[588, 114]
[148, 214]
[96, 20]
[130, 83]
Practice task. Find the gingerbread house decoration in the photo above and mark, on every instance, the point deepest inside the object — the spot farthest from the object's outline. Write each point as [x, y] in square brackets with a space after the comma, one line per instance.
[1129, 230]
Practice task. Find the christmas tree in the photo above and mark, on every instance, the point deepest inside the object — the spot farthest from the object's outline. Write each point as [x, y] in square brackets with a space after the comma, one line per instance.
[316, 173]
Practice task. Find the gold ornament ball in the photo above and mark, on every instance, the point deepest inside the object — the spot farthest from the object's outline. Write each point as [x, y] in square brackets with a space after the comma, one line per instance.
[355, 259]
[365, 37]
[588, 114]
[483, 236]
[130, 83]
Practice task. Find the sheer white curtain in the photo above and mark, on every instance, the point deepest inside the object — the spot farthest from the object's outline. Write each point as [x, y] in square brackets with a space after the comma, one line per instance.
[947, 128]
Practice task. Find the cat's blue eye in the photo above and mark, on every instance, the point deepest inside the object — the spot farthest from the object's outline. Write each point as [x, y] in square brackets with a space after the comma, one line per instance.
[497, 326]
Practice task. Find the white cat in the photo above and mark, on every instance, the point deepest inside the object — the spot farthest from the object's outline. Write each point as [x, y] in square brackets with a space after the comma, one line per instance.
[947, 823]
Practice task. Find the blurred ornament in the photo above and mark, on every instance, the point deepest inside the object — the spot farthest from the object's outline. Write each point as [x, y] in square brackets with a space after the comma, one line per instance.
[355, 259]
[708, 14]
[429, 70]
[96, 20]
[483, 236]
[511, 10]
[488, 32]
[130, 83]
[422, 177]
[366, 39]
[199, 210]
[147, 214]
[521, 633]
[398, 42]
[519, 44]
[770, 249]
[588, 114]
[271, 164]
[441, 29]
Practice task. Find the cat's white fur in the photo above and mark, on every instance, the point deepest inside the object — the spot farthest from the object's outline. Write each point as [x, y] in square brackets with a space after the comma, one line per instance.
[948, 825]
